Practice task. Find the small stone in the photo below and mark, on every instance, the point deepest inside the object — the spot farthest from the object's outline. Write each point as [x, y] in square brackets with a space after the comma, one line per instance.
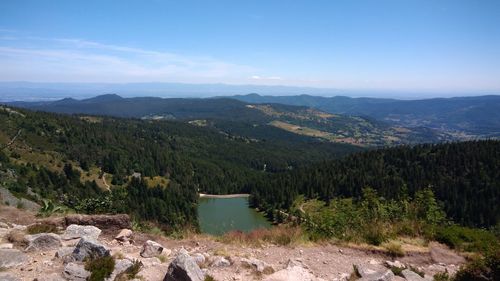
[258, 265]
[220, 262]
[151, 249]
[125, 235]
[396, 264]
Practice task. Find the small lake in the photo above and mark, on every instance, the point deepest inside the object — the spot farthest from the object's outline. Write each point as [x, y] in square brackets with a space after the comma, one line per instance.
[220, 215]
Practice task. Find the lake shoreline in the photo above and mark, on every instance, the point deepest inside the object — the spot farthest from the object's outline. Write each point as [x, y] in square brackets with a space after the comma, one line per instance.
[203, 195]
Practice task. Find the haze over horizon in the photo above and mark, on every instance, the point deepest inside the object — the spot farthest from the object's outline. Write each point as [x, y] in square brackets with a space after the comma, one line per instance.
[410, 49]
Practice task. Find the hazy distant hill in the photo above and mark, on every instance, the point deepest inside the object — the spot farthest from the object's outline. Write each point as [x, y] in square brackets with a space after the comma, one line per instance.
[477, 116]
[241, 119]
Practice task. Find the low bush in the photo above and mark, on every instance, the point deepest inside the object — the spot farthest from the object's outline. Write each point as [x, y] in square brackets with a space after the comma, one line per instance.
[279, 235]
[480, 269]
[100, 268]
[42, 228]
[467, 239]
[394, 249]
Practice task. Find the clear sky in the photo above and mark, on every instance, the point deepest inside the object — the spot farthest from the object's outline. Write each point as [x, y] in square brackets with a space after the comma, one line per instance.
[428, 45]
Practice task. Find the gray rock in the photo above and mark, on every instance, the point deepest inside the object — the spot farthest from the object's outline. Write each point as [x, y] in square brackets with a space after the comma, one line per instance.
[89, 248]
[12, 257]
[184, 268]
[43, 242]
[125, 235]
[396, 264]
[120, 267]
[75, 272]
[75, 231]
[151, 249]
[199, 259]
[5, 276]
[258, 265]
[411, 276]
[373, 272]
[220, 262]
[64, 252]
[3, 225]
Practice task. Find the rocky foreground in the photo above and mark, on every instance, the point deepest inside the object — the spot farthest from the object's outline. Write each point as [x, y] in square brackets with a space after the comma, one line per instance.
[62, 255]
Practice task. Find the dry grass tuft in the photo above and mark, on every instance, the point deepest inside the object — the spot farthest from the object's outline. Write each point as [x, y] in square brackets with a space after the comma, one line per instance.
[279, 235]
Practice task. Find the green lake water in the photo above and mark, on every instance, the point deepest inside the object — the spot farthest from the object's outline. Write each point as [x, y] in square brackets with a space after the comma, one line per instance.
[220, 215]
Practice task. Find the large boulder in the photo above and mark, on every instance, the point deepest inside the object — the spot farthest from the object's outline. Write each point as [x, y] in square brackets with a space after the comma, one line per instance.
[75, 272]
[108, 223]
[151, 249]
[88, 248]
[184, 268]
[75, 231]
[43, 242]
[12, 257]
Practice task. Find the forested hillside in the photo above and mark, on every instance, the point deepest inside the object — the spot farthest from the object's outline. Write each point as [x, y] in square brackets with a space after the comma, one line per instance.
[250, 121]
[464, 176]
[474, 116]
[73, 160]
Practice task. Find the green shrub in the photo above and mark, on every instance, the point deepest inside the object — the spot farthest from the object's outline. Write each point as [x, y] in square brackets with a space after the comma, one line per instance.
[486, 268]
[394, 249]
[209, 278]
[49, 208]
[467, 239]
[441, 276]
[374, 235]
[100, 268]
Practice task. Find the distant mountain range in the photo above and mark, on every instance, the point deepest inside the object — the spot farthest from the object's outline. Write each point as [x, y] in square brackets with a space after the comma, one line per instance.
[247, 120]
[461, 116]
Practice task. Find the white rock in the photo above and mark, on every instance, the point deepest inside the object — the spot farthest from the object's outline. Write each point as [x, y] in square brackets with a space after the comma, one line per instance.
[151, 249]
[75, 231]
[125, 235]
[220, 262]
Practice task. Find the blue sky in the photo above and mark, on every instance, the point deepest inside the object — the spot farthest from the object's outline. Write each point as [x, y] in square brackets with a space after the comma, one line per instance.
[413, 45]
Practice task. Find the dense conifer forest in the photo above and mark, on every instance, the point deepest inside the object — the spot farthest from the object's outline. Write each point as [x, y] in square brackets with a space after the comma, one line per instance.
[465, 178]
[55, 155]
